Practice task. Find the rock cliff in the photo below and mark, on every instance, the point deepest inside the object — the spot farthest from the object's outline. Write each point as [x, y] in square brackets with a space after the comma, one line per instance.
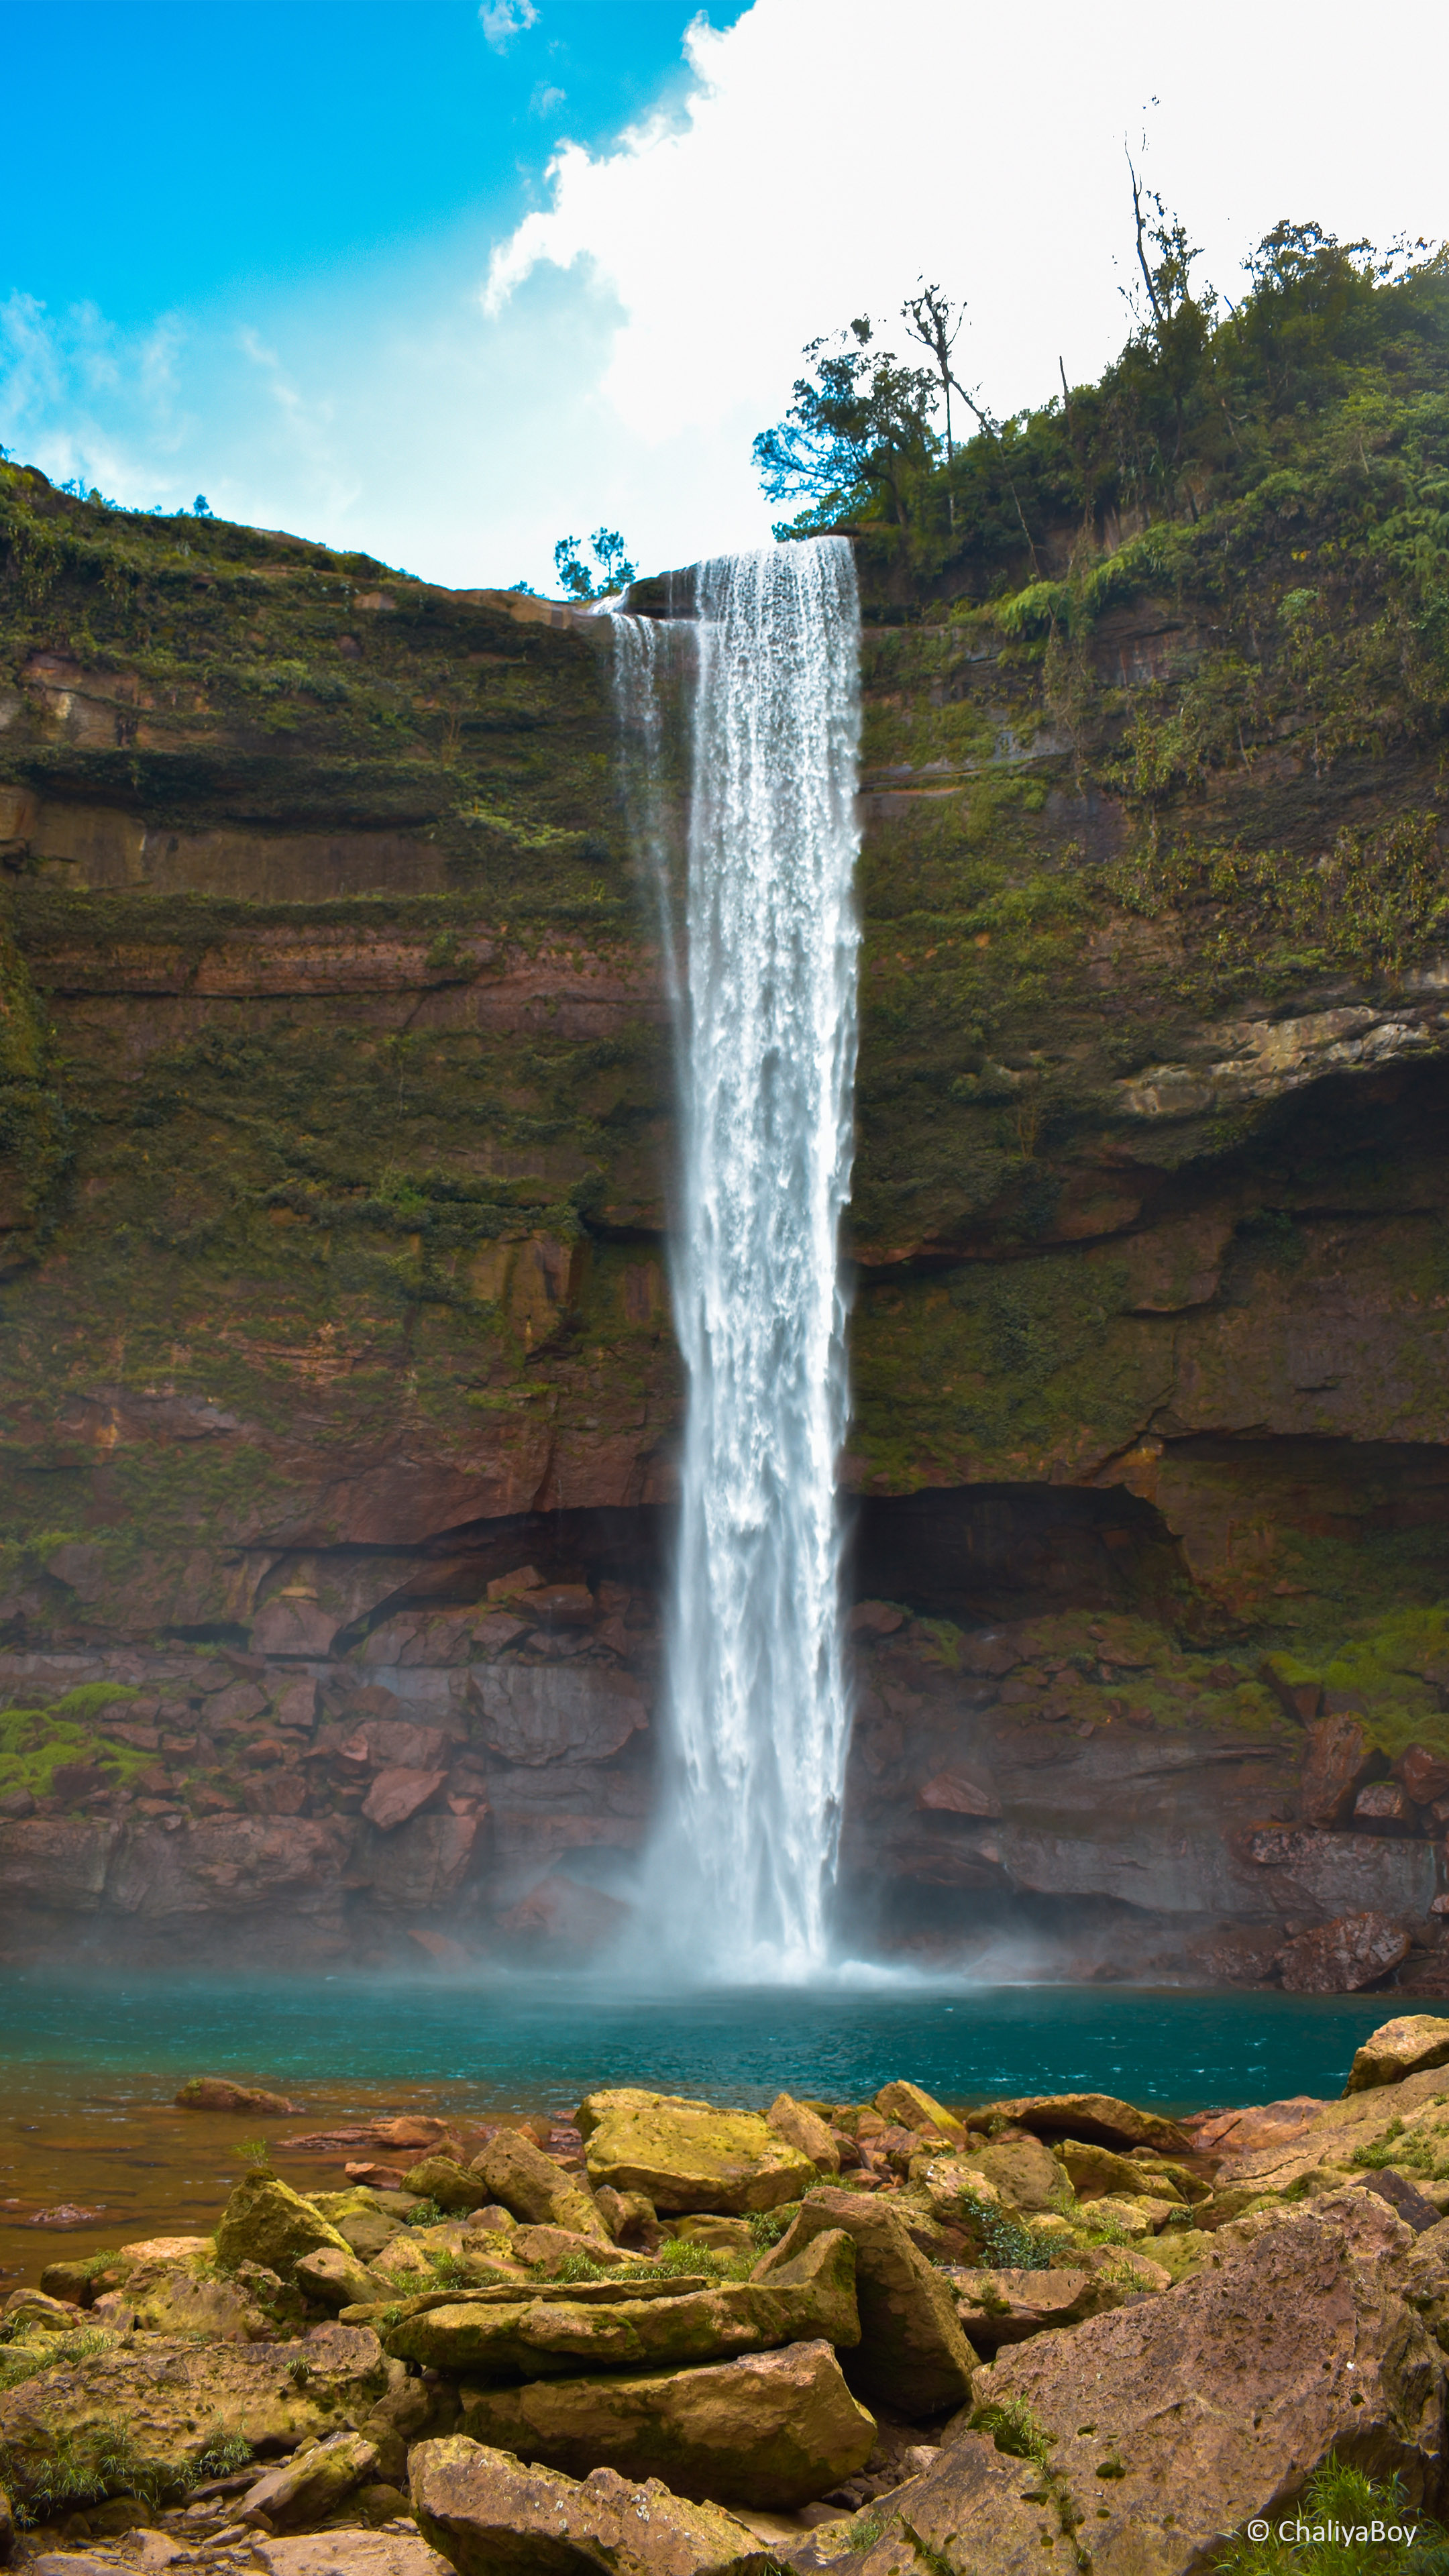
[339, 1398]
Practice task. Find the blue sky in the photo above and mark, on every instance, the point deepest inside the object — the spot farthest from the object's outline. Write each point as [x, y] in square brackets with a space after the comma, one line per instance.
[199, 153]
[450, 281]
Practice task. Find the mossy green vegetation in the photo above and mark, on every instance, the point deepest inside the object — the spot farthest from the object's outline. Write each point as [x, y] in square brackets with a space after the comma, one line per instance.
[38, 1743]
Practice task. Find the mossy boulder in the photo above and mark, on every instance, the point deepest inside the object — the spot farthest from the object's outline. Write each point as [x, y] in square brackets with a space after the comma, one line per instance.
[310, 2485]
[687, 2155]
[1411, 2045]
[157, 2405]
[1025, 2173]
[811, 2297]
[493, 2517]
[912, 2354]
[334, 2280]
[910, 2108]
[266, 2222]
[773, 2429]
[1094, 2170]
[451, 2185]
[526, 2182]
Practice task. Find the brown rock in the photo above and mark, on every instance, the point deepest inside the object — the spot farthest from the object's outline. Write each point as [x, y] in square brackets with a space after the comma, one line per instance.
[1263, 2124]
[219, 2093]
[1024, 2172]
[1099, 2117]
[773, 2429]
[801, 2127]
[395, 1744]
[1385, 1807]
[1340, 1761]
[397, 1795]
[1342, 1957]
[912, 2354]
[1002, 2307]
[529, 2184]
[537, 1714]
[493, 2517]
[420, 1865]
[874, 1619]
[910, 2108]
[1406, 2046]
[1424, 1774]
[310, 2484]
[1173, 2422]
[955, 1793]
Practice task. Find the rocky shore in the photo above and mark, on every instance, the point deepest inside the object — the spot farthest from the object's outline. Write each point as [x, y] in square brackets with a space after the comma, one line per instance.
[673, 2339]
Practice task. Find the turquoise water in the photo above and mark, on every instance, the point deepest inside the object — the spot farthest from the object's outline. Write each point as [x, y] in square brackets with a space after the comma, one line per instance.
[541, 2045]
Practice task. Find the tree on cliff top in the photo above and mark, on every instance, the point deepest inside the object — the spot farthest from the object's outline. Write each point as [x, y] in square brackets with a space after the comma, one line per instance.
[855, 440]
[1201, 403]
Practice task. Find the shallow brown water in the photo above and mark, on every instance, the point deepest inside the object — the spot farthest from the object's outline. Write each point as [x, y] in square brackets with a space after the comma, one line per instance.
[149, 2168]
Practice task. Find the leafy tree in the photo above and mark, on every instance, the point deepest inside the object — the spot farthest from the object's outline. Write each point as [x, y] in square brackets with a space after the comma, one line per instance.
[857, 440]
[615, 570]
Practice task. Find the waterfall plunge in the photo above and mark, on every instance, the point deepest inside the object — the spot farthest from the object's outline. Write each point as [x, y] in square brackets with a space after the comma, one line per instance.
[761, 942]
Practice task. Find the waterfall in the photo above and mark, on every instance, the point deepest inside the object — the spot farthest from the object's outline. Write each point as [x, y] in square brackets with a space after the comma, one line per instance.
[761, 946]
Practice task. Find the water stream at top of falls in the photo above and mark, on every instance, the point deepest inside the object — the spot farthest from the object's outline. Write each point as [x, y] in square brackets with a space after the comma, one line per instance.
[761, 941]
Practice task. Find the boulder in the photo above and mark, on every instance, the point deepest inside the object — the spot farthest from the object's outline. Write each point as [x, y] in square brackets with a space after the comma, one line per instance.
[1385, 1807]
[1404, 2198]
[719, 2235]
[334, 2280]
[176, 2298]
[804, 2129]
[538, 1713]
[496, 2518]
[176, 2396]
[451, 2185]
[1405, 2046]
[393, 2552]
[809, 2298]
[912, 2354]
[1424, 1774]
[1025, 2173]
[419, 1866]
[1097, 2116]
[218, 2093]
[545, 2248]
[686, 2155]
[398, 1793]
[1340, 1761]
[308, 2486]
[1005, 2306]
[1342, 1957]
[909, 2108]
[773, 2429]
[629, 2217]
[529, 2184]
[1173, 2422]
[265, 2221]
[1092, 2171]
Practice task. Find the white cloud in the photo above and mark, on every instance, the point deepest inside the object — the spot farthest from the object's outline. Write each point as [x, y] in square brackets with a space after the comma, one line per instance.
[648, 320]
[822, 160]
[501, 20]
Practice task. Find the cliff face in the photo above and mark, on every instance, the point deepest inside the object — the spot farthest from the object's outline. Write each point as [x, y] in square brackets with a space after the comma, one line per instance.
[335, 1111]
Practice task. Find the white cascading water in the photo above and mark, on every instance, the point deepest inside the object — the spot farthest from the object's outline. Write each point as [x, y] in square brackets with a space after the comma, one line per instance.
[761, 939]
